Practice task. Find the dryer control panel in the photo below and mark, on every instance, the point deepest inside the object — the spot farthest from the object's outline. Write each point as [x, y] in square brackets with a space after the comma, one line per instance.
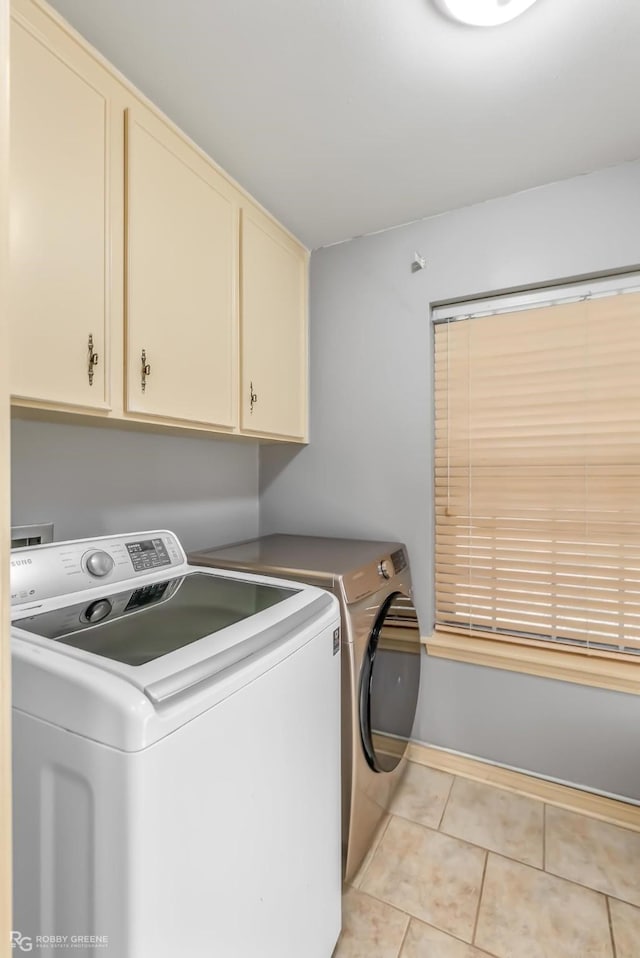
[371, 577]
[60, 568]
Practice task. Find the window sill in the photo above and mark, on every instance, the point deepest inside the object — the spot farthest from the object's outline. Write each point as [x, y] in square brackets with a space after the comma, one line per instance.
[581, 667]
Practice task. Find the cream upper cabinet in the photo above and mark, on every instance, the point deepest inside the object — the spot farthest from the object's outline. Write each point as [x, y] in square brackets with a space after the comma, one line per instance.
[181, 269]
[273, 329]
[59, 230]
[145, 285]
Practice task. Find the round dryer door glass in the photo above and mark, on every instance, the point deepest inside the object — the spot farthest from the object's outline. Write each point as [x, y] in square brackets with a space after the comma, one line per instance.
[389, 685]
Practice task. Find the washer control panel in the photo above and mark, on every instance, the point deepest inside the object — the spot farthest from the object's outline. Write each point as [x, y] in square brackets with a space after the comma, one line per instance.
[61, 568]
[148, 554]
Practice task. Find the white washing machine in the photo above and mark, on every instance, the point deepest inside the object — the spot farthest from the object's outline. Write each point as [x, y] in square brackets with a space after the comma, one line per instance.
[176, 756]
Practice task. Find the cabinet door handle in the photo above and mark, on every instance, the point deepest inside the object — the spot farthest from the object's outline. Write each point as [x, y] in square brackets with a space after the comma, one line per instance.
[253, 398]
[92, 361]
[145, 370]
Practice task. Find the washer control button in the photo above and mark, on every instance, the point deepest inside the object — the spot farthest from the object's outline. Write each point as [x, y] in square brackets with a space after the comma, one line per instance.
[385, 569]
[98, 563]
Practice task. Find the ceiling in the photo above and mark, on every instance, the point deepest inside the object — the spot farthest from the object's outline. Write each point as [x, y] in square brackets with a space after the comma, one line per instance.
[344, 117]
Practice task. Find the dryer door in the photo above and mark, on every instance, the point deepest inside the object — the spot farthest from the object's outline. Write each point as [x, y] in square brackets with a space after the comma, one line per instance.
[389, 683]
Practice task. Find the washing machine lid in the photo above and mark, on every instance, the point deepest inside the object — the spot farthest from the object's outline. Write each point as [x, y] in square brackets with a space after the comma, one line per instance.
[128, 664]
[140, 624]
[129, 707]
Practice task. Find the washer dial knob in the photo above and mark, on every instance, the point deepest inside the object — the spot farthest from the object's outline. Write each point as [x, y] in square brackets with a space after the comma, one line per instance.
[385, 569]
[98, 563]
[96, 611]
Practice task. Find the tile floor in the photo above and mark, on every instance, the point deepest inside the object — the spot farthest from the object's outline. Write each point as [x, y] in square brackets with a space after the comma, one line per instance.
[461, 869]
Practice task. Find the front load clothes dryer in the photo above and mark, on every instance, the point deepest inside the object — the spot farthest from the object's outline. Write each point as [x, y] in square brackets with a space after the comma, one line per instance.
[176, 756]
[380, 659]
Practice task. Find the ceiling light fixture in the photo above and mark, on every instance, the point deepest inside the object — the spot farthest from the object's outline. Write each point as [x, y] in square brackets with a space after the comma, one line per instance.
[484, 13]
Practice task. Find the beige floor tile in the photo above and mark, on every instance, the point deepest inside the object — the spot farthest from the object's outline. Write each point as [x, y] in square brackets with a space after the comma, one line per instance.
[356, 881]
[422, 795]
[493, 818]
[423, 941]
[601, 856]
[429, 875]
[525, 913]
[370, 929]
[625, 921]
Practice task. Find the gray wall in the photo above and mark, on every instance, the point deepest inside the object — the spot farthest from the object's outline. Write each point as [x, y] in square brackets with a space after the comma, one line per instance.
[99, 480]
[368, 469]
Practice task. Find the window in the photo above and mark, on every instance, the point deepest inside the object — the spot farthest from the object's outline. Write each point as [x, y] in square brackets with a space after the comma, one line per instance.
[537, 480]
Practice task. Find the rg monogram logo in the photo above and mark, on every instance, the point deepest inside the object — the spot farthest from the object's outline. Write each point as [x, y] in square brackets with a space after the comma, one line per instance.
[23, 942]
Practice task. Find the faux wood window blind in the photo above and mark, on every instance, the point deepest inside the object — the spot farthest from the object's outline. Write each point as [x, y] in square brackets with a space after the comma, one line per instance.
[537, 474]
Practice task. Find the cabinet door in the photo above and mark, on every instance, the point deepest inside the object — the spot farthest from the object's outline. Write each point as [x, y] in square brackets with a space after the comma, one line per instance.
[181, 267]
[58, 222]
[274, 329]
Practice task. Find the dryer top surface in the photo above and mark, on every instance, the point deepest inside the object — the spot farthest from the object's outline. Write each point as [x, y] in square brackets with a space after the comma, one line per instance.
[316, 555]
